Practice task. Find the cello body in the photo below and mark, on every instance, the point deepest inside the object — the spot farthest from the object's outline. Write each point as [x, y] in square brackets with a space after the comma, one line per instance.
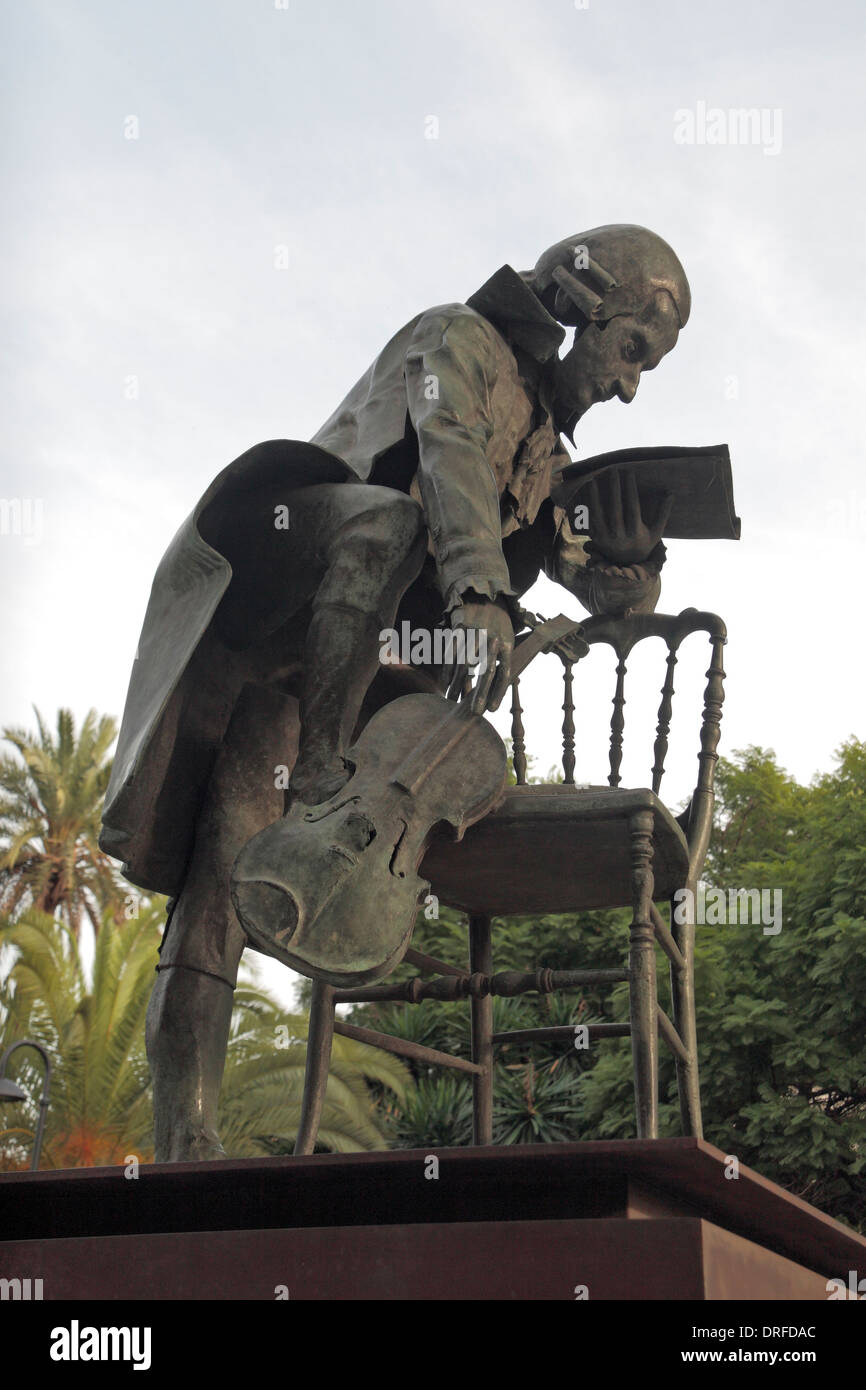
[333, 890]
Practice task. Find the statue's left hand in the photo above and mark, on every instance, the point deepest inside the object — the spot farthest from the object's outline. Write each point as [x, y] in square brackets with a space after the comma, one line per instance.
[618, 528]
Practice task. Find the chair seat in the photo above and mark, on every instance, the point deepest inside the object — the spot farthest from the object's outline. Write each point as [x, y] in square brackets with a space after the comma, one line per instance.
[554, 849]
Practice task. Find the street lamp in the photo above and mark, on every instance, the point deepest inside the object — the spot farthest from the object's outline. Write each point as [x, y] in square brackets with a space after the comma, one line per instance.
[9, 1091]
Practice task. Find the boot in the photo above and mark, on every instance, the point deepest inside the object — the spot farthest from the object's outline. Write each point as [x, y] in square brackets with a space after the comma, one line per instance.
[340, 660]
[187, 1032]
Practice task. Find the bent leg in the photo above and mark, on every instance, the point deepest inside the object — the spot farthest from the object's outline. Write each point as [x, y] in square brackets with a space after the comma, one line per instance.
[350, 550]
[371, 559]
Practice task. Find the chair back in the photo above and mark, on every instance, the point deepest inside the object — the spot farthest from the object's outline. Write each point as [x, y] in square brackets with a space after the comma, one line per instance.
[623, 634]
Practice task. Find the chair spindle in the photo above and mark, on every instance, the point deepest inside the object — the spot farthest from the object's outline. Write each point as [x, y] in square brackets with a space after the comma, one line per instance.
[518, 736]
[568, 758]
[663, 728]
[710, 729]
[617, 724]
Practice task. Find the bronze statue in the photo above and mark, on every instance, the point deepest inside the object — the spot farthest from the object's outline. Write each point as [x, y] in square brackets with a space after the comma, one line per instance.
[425, 498]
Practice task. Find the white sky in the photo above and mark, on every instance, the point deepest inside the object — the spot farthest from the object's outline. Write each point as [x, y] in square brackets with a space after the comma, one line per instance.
[305, 127]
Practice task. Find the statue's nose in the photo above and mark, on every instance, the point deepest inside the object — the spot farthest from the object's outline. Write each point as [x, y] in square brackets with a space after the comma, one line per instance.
[626, 387]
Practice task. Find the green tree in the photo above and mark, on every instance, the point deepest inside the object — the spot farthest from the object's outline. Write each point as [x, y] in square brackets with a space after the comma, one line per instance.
[51, 794]
[759, 811]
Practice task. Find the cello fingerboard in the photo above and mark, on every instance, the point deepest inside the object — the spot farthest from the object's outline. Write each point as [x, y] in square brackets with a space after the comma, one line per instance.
[439, 742]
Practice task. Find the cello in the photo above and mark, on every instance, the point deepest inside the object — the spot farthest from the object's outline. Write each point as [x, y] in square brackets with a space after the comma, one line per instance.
[333, 890]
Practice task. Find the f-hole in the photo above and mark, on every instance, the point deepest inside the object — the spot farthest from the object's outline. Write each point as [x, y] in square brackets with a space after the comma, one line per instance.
[397, 872]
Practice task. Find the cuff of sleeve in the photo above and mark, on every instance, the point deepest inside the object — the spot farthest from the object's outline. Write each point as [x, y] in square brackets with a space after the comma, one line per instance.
[615, 595]
[479, 584]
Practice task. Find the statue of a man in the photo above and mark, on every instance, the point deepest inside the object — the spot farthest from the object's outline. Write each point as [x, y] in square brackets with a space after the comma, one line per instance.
[426, 496]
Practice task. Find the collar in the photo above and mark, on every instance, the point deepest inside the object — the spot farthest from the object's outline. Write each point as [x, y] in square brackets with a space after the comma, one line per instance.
[508, 302]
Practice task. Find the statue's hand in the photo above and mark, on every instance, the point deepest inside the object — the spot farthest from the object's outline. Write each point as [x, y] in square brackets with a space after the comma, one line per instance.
[618, 528]
[488, 630]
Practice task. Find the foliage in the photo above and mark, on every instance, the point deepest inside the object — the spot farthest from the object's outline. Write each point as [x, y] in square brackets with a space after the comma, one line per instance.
[51, 797]
[92, 1023]
[437, 1113]
[260, 1101]
[536, 1104]
[535, 1086]
[760, 809]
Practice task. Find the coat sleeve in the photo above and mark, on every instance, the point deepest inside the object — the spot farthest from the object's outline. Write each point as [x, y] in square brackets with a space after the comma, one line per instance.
[450, 371]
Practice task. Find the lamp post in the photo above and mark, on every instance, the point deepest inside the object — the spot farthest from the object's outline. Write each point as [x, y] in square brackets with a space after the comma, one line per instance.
[9, 1091]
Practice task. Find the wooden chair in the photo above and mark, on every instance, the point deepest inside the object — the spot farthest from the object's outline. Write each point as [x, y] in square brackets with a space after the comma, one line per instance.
[563, 848]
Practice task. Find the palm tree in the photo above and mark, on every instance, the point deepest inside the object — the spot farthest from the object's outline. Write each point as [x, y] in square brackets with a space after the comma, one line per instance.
[51, 797]
[92, 1022]
[260, 1102]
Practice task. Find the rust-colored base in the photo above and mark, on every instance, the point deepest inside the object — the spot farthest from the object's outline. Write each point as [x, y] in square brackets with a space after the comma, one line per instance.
[640, 1220]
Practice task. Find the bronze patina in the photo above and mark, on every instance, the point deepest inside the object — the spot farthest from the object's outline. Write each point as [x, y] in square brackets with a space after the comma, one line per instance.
[425, 499]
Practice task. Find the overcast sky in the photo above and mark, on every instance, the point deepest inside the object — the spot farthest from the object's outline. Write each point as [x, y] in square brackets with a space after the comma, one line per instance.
[150, 336]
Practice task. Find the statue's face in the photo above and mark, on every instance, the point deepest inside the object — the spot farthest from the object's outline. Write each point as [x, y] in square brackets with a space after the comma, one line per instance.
[607, 360]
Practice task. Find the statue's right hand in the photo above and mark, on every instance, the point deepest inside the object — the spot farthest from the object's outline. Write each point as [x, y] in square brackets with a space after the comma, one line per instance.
[488, 633]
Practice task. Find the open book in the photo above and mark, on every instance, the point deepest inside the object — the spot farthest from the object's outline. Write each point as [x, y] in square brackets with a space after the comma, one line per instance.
[700, 480]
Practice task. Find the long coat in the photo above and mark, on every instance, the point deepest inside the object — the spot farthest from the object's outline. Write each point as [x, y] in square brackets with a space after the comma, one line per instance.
[456, 409]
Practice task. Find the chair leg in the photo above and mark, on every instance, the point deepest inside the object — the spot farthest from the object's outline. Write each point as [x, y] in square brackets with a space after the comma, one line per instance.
[683, 996]
[481, 962]
[319, 1039]
[642, 978]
